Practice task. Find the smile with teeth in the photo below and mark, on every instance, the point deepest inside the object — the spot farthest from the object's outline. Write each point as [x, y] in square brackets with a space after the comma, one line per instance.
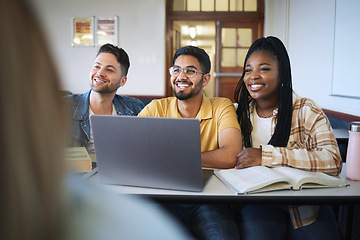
[99, 81]
[255, 87]
[182, 85]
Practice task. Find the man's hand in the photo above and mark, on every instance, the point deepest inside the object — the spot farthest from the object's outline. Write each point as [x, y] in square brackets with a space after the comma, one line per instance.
[248, 157]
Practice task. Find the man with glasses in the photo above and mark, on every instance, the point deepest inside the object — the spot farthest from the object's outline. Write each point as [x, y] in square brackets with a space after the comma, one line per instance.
[220, 136]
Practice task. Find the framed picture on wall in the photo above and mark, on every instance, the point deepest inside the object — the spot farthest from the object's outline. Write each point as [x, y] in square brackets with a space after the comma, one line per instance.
[107, 30]
[82, 31]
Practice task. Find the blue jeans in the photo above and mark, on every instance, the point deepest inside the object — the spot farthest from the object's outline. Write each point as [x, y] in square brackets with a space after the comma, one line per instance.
[273, 222]
[206, 221]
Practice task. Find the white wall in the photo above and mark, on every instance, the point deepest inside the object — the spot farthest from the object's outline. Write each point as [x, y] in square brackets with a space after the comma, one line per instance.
[306, 27]
[141, 34]
[347, 21]
[309, 36]
[276, 19]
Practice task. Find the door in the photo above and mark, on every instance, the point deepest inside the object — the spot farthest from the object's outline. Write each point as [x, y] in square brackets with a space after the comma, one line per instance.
[233, 42]
[236, 24]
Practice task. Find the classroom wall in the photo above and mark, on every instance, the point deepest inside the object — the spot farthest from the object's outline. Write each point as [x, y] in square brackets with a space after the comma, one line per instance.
[306, 27]
[141, 34]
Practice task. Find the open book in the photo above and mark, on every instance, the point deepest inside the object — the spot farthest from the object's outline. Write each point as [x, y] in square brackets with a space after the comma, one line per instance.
[262, 179]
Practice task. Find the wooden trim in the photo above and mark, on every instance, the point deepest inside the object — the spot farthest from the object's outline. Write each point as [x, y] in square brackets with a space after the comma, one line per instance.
[216, 16]
[169, 47]
[146, 96]
[340, 115]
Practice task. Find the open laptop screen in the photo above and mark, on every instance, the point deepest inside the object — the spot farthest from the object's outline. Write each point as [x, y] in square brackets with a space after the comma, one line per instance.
[148, 152]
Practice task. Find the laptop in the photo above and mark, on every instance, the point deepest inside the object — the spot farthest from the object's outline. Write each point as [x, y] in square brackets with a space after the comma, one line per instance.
[148, 151]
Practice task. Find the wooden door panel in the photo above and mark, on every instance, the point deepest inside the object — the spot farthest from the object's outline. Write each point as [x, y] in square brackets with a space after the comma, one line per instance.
[237, 49]
[227, 87]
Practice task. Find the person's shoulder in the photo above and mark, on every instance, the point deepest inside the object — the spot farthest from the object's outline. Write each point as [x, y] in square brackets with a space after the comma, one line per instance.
[158, 107]
[72, 98]
[128, 105]
[306, 105]
[220, 102]
[128, 99]
[162, 101]
[131, 102]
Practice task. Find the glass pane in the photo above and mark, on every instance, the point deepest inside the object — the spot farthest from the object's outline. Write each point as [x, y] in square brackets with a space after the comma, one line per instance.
[228, 57]
[244, 37]
[179, 5]
[207, 5]
[250, 5]
[241, 54]
[222, 5]
[228, 37]
[236, 5]
[193, 5]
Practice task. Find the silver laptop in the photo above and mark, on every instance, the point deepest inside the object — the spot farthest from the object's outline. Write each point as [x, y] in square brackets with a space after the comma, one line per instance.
[148, 152]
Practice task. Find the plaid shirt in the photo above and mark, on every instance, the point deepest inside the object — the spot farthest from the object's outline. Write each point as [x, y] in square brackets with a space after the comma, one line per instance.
[312, 146]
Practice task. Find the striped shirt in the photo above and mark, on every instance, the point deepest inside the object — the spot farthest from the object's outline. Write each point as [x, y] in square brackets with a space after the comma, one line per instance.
[312, 146]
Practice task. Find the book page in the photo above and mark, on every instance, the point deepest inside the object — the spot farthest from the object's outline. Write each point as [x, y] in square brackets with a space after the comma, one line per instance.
[76, 153]
[77, 159]
[314, 179]
[251, 179]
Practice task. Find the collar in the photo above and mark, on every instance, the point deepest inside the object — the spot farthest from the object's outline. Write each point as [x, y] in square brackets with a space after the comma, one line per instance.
[82, 109]
[121, 107]
[205, 111]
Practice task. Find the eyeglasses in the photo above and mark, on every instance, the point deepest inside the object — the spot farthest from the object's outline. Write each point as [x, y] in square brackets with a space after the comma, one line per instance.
[188, 71]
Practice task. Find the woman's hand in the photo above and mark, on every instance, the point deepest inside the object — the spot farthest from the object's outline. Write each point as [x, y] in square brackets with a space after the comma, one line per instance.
[248, 157]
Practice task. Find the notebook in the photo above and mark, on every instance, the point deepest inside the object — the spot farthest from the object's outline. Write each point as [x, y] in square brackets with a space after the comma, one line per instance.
[148, 151]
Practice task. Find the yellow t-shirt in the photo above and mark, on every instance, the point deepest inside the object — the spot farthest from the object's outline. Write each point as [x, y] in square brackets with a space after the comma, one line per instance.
[215, 115]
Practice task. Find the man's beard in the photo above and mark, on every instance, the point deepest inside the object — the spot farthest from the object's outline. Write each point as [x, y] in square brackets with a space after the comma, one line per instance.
[194, 92]
[105, 89]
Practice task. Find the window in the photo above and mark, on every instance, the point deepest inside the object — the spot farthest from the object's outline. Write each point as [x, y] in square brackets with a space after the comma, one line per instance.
[215, 5]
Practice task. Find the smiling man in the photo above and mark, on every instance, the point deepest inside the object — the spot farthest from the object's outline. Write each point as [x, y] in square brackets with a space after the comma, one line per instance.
[220, 136]
[109, 72]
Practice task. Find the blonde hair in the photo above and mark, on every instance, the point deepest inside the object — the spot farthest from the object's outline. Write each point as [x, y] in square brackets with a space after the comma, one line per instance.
[31, 129]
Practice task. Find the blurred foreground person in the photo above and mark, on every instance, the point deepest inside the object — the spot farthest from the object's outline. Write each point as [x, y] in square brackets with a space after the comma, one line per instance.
[38, 201]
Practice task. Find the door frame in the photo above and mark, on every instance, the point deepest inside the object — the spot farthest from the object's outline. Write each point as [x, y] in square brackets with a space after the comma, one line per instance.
[237, 17]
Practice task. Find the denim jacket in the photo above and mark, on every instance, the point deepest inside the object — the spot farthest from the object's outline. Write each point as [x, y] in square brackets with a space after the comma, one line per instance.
[78, 109]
